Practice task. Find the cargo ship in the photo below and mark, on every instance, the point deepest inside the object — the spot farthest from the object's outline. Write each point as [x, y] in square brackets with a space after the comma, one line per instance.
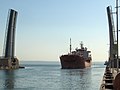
[78, 59]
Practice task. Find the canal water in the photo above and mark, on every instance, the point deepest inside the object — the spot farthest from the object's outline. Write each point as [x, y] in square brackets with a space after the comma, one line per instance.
[49, 76]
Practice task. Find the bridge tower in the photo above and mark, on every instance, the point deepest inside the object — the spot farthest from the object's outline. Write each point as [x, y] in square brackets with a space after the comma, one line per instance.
[8, 60]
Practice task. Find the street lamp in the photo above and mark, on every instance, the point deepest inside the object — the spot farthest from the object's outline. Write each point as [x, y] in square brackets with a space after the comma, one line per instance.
[117, 34]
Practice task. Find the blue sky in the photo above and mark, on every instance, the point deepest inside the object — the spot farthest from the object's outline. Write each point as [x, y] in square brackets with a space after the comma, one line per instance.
[44, 27]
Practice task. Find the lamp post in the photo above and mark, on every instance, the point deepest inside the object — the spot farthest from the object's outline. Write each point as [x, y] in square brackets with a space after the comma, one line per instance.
[117, 34]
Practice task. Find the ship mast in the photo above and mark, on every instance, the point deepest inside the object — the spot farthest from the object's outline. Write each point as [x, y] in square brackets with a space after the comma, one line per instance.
[81, 44]
[70, 45]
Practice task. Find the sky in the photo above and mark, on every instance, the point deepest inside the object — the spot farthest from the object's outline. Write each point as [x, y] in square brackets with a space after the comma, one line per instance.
[44, 27]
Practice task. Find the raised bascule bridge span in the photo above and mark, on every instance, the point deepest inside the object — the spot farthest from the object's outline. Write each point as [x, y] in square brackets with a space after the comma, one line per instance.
[111, 77]
[8, 59]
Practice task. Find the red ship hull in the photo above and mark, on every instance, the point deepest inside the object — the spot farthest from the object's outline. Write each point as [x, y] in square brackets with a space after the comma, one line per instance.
[74, 62]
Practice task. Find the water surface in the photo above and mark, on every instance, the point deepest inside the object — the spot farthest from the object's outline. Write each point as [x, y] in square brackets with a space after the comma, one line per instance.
[50, 76]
